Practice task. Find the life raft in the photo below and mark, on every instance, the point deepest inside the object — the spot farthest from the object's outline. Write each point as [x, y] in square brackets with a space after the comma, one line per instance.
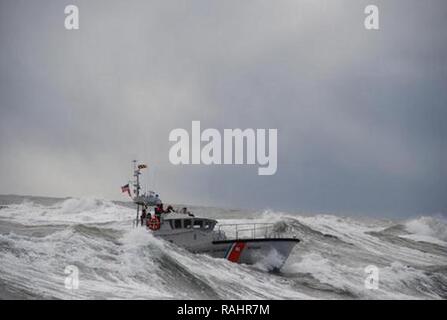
[153, 223]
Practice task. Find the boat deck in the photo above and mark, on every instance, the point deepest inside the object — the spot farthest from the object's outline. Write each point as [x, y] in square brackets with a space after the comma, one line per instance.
[252, 231]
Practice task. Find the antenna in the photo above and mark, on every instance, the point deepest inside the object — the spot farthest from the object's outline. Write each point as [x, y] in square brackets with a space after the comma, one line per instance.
[136, 184]
[136, 174]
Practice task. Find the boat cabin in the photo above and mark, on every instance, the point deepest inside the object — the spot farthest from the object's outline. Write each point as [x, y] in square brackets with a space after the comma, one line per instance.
[182, 221]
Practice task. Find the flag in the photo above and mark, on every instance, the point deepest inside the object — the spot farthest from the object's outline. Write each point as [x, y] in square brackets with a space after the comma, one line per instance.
[126, 188]
[142, 166]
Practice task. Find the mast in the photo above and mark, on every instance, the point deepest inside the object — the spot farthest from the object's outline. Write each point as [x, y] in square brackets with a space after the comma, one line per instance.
[136, 174]
[146, 199]
[136, 185]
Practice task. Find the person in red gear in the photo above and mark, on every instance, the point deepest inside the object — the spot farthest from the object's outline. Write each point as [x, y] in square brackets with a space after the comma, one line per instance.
[159, 210]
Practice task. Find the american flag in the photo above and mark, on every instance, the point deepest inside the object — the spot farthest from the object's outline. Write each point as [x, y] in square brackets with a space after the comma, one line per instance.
[126, 188]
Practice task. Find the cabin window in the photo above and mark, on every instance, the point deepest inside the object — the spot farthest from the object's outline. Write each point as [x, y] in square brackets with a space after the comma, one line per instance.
[177, 224]
[187, 224]
[206, 225]
[198, 224]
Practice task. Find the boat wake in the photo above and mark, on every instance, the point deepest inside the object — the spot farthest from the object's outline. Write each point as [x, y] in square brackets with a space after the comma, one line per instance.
[41, 237]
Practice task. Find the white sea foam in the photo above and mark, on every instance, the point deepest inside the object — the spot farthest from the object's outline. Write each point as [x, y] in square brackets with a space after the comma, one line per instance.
[428, 229]
[72, 210]
[118, 261]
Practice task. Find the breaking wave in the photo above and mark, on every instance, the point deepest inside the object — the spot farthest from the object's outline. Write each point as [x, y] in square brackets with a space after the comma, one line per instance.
[39, 238]
[428, 229]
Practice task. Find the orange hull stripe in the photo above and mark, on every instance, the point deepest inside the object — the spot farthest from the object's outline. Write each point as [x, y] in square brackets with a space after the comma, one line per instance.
[235, 254]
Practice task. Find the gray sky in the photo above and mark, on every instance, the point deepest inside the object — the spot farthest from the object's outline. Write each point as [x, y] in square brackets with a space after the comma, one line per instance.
[360, 114]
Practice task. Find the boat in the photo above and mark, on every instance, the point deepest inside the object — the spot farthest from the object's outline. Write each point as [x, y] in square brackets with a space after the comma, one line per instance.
[246, 243]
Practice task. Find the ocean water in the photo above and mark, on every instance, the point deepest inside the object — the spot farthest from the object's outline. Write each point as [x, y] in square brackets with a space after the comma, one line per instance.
[41, 237]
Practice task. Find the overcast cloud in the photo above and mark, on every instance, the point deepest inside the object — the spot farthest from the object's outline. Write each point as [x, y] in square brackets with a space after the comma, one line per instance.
[360, 114]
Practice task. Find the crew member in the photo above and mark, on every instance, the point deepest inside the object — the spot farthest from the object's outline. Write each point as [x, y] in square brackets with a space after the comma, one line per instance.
[143, 216]
[159, 210]
[185, 211]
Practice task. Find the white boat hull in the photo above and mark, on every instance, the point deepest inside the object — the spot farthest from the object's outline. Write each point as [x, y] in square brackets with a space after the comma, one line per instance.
[247, 251]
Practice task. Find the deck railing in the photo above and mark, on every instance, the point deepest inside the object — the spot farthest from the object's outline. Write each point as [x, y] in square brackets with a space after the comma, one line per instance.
[248, 231]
